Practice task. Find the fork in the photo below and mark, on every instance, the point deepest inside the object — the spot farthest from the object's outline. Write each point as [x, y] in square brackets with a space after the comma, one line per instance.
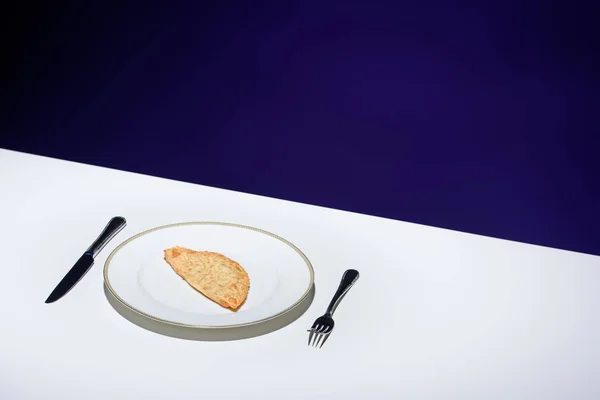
[323, 325]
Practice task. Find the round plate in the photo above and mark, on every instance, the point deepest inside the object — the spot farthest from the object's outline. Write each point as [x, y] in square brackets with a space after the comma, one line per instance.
[138, 276]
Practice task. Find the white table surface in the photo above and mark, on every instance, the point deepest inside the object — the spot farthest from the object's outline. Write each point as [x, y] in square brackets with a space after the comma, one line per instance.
[435, 314]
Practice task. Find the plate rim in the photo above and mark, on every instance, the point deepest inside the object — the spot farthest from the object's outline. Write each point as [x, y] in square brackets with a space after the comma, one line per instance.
[198, 326]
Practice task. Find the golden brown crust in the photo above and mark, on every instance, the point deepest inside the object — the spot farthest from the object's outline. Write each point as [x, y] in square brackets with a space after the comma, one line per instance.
[219, 278]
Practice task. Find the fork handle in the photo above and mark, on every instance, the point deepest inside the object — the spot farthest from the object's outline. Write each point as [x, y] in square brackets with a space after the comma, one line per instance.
[349, 278]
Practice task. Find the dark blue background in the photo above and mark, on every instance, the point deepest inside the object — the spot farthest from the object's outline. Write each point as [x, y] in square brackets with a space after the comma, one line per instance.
[474, 117]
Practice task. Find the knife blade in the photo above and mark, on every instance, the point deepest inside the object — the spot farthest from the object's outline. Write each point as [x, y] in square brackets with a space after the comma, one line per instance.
[85, 262]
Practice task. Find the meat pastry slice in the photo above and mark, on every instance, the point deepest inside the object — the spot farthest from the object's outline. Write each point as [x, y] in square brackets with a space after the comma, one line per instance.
[219, 278]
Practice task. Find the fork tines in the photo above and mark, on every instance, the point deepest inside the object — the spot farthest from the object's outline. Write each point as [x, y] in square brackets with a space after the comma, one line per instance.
[318, 335]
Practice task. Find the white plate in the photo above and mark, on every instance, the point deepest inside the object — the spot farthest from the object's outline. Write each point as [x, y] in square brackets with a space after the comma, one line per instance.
[137, 275]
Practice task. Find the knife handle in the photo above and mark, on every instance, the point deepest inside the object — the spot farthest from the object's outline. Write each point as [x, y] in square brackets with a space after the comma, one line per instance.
[114, 226]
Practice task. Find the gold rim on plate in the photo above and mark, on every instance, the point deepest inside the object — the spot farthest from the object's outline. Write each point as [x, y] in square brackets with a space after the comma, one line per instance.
[129, 306]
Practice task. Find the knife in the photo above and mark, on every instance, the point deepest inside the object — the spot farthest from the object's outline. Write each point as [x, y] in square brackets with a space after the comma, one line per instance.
[85, 262]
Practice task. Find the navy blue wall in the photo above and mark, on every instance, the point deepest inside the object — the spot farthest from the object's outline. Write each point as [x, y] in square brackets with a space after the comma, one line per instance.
[479, 118]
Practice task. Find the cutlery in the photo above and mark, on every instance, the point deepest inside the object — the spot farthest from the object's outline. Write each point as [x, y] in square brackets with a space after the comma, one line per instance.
[85, 262]
[323, 326]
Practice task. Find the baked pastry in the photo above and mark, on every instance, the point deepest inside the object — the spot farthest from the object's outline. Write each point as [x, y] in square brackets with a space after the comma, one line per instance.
[219, 278]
